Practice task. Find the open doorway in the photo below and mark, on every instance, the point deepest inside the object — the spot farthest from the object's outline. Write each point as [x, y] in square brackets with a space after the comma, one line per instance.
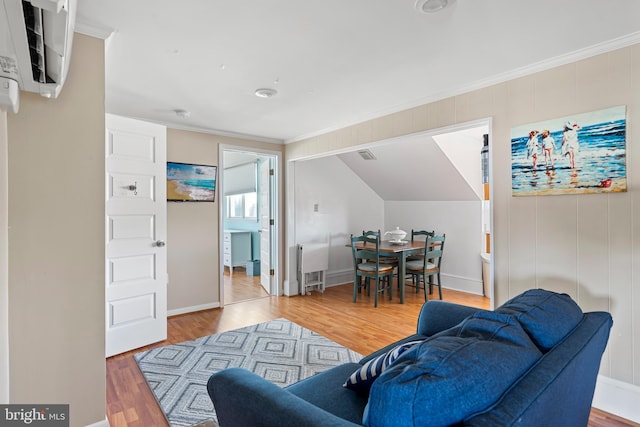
[248, 239]
[428, 180]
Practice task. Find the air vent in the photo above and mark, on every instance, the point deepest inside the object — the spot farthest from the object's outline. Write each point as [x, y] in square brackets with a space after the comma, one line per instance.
[35, 39]
[35, 44]
[367, 155]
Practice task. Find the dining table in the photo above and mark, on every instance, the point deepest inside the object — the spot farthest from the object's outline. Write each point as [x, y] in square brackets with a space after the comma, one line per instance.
[400, 250]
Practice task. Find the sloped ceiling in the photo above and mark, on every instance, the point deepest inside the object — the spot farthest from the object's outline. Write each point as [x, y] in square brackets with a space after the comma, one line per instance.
[445, 167]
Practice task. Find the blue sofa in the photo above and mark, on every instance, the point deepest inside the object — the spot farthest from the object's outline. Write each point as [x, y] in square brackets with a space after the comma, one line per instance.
[531, 362]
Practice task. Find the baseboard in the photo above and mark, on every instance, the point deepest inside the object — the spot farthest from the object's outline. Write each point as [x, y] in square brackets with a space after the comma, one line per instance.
[193, 308]
[339, 277]
[449, 281]
[102, 423]
[618, 398]
[463, 284]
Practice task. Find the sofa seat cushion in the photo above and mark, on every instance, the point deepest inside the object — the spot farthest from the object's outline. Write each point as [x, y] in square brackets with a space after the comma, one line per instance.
[453, 374]
[325, 390]
[545, 315]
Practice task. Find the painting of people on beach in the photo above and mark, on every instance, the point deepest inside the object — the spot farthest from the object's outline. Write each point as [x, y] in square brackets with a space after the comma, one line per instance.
[579, 154]
[190, 183]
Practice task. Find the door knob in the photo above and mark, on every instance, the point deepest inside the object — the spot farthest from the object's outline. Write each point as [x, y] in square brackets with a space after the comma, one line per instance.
[159, 243]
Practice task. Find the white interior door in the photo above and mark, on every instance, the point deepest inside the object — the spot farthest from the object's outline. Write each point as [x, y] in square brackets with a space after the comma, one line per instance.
[136, 255]
[265, 225]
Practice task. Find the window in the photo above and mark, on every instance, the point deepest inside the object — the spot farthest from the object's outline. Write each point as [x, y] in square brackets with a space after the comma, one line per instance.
[242, 206]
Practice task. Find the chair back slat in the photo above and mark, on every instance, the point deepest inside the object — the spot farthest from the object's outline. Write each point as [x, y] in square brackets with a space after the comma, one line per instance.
[434, 250]
[420, 233]
[369, 250]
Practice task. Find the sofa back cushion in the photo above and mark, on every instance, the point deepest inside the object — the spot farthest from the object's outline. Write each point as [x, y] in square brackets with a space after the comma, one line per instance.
[545, 315]
[453, 374]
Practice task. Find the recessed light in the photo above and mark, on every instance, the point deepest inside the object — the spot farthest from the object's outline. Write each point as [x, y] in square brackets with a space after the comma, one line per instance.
[265, 92]
[431, 6]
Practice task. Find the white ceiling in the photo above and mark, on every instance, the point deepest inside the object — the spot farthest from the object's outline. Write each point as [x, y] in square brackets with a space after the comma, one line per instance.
[333, 62]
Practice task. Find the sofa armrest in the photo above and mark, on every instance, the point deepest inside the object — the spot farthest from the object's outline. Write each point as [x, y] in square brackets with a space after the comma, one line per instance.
[242, 398]
[436, 316]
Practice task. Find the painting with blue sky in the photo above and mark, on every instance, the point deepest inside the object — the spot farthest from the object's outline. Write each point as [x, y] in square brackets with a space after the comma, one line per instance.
[579, 154]
[190, 183]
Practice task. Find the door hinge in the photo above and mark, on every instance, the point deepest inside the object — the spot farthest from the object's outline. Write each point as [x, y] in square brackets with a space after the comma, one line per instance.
[271, 172]
[272, 222]
[272, 272]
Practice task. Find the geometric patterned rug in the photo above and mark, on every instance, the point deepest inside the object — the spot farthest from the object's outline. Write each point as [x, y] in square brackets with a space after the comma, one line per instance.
[280, 351]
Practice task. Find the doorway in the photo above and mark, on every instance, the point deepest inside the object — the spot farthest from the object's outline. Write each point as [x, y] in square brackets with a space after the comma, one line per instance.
[248, 189]
[427, 180]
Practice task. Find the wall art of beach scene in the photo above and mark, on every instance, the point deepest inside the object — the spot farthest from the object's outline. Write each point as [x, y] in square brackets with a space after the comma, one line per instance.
[579, 154]
[190, 183]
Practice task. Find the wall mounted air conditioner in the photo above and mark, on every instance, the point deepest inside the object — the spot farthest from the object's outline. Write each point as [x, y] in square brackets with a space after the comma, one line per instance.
[35, 47]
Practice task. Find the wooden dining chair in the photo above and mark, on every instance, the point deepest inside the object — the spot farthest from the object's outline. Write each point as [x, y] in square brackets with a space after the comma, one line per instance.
[384, 259]
[418, 235]
[366, 264]
[429, 266]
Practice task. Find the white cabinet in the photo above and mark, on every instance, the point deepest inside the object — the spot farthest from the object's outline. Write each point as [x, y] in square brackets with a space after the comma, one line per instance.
[237, 248]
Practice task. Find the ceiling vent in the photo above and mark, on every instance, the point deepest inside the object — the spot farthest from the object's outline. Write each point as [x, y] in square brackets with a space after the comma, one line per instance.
[367, 155]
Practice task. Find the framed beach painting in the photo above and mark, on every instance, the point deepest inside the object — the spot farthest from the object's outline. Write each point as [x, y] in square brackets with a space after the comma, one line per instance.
[578, 154]
[188, 182]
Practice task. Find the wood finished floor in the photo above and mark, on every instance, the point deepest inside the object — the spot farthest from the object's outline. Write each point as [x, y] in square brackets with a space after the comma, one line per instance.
[240, 287]
[358, 326]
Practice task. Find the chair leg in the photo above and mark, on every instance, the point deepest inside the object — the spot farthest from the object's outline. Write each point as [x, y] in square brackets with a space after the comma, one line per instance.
[356, 287]
[439, 285]
[424, 283]
[375, 293]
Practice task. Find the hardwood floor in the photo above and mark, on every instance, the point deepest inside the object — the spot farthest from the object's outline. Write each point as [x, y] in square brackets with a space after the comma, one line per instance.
[358, 326]
[240, 287]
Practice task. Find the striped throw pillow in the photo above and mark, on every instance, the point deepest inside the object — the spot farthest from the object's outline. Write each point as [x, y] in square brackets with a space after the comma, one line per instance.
[363, 378]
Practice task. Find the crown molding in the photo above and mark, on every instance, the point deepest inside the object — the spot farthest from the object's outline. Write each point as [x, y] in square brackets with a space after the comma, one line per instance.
[597, 49]
[209, 131]
[93, 30]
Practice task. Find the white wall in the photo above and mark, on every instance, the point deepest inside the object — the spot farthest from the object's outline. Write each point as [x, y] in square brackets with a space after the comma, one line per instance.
[192, 232]
[57, 242]
[346, 205]
[462, 223]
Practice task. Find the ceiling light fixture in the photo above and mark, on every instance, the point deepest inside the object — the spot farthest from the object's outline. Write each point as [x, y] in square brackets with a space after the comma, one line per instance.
[266, 92]
[431, 6]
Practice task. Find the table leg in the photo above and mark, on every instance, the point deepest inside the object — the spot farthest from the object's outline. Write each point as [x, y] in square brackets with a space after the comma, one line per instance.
[401, 275]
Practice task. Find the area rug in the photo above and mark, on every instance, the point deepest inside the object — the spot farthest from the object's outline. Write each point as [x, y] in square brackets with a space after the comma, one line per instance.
[280, 351]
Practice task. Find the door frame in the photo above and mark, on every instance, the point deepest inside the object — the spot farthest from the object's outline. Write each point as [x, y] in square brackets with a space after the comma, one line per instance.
[276, 202]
